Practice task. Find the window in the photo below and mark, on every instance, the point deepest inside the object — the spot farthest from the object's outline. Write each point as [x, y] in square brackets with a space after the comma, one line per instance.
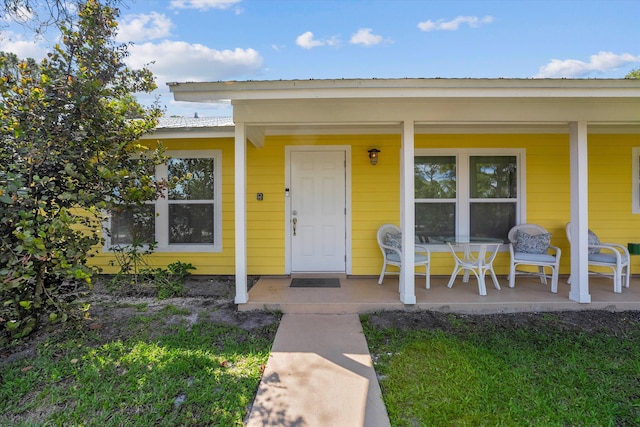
[190, 215]
[188, 218]
[475, 193]
[134, 224]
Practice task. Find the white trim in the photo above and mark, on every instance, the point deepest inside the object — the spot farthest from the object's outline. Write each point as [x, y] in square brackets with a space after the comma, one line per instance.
[579, 162]
[462, 155]
[240, 211]
[635, 180]
[407, 212]
[287, 200]
[406, 88]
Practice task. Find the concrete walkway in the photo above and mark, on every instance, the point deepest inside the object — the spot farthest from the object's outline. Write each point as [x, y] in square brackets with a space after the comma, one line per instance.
[319, 374]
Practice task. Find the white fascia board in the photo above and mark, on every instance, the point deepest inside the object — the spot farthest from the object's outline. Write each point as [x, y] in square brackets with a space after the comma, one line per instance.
[406, 88]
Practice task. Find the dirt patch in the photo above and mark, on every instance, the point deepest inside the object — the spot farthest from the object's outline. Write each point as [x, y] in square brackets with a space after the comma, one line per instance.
[112, 313]
[211, 297]
[205, 297]
[613, 323]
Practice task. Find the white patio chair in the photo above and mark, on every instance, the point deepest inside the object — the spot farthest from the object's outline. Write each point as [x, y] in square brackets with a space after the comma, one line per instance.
[389, 241]
[609, 255]
[529, 245]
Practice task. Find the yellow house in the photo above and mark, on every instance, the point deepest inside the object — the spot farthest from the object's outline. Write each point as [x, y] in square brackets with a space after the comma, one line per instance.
[289, 184]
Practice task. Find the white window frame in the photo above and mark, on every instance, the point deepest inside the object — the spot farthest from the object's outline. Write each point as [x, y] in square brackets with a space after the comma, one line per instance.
[162, 206]
[463, 198]
[635, 174]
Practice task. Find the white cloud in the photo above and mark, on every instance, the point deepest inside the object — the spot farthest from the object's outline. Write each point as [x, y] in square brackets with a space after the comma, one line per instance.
[172, 61]
[600, 63]
[12, 42]
[204, 4]
[332, 41]
[365, 37]
[135, 28]
[454, 24]
[306, 41]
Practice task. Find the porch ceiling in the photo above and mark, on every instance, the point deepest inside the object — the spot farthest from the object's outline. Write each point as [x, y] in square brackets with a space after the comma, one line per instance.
[434, 115]
[428, 111]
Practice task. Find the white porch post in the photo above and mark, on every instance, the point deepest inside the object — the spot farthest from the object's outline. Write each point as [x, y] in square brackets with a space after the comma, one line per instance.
[407, 214]
[579, 212]
[240, 210]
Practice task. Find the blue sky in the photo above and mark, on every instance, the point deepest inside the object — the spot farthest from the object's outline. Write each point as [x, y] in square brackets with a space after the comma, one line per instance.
[213, 40]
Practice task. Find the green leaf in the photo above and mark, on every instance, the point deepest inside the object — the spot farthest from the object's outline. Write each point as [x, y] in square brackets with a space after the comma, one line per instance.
[70, 170]
[12, 325]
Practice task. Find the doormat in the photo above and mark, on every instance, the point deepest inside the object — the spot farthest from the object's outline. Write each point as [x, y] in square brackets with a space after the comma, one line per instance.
[303, 282]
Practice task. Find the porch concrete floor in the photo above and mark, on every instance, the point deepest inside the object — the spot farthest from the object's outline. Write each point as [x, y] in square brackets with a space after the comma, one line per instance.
[364, 295]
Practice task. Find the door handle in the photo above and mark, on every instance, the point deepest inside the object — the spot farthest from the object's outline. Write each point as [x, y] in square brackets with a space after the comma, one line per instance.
[294, 221]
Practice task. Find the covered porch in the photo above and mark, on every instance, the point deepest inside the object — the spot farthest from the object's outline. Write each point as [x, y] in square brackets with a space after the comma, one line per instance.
[423, 114]
[364, 295]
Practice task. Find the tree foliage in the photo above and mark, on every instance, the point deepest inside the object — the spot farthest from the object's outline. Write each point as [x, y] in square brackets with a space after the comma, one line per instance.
[69, 127]
[633, 74]
[39, 15]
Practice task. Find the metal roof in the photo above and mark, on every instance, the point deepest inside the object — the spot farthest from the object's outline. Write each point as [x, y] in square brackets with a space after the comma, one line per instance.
[193, 122]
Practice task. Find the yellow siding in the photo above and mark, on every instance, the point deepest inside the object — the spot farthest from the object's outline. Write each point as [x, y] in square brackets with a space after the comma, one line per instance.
[265, 219]
[610, 190]
[375, 198]
[376, 195]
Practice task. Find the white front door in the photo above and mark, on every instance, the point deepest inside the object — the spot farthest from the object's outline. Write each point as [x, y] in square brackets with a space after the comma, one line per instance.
[318, 211]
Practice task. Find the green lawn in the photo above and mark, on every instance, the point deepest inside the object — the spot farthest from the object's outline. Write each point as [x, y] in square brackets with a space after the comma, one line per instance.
[494, 373]
[162, 374]
[505, 370]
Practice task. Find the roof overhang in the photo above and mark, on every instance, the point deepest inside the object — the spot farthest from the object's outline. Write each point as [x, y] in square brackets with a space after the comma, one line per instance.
[338, 105]
[405, 88]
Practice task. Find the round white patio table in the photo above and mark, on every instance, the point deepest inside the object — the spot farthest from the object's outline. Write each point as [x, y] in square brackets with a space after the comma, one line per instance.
[476, 255]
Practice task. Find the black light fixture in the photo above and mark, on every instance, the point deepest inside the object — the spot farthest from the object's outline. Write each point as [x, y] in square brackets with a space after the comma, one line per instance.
[373, 156]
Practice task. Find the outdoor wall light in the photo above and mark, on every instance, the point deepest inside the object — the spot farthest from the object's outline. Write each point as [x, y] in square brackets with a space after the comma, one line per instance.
[373, 156]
